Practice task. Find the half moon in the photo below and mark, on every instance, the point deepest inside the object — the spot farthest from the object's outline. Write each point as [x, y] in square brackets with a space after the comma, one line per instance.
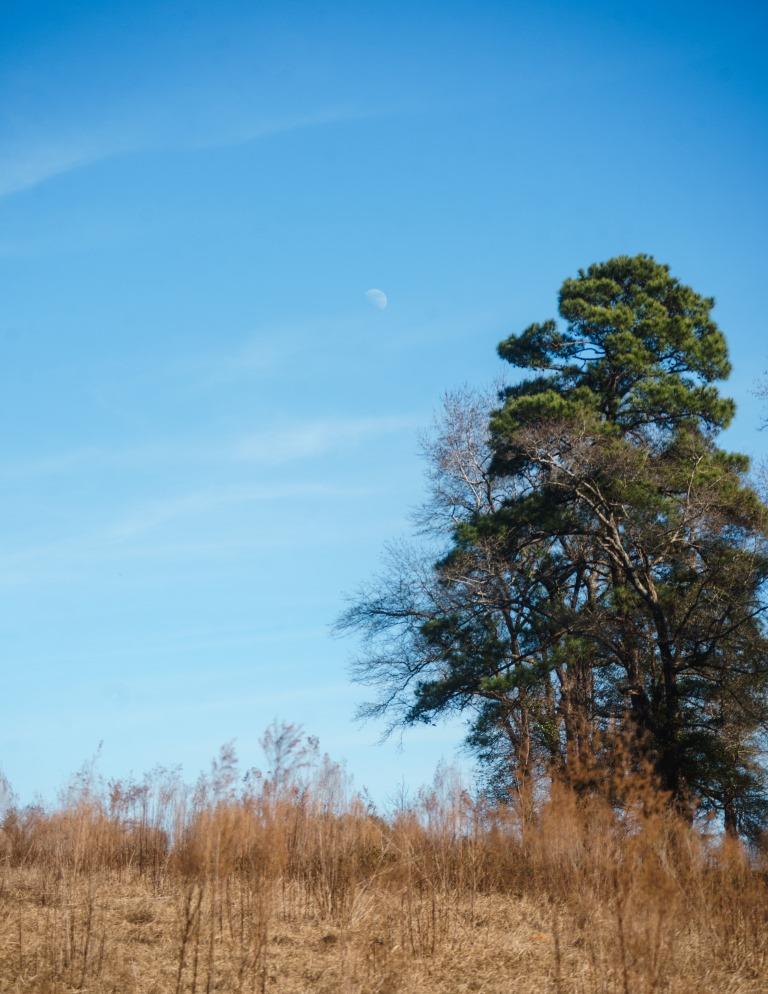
[376, 297]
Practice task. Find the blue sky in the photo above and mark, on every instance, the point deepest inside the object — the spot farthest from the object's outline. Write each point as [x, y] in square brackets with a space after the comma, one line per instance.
[208, 432]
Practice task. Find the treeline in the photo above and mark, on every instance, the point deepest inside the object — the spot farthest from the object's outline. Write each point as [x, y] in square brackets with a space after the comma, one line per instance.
[594, 588]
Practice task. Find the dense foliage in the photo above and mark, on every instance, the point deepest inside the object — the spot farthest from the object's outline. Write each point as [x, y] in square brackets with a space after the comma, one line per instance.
[603, 583]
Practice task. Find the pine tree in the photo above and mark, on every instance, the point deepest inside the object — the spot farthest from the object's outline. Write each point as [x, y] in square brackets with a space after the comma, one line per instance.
[613, 572]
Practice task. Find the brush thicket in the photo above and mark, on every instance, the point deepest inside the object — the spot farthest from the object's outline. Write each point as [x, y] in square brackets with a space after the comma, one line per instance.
[291, 882]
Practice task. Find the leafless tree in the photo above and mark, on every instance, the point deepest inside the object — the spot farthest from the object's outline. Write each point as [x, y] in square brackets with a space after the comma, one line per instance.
[523, 721]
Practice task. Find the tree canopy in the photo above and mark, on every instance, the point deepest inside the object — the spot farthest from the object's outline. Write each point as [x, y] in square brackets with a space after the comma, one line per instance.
[604, 563]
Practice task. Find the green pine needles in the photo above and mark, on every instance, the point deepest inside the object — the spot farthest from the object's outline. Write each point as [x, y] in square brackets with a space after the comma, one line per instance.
[602, 586]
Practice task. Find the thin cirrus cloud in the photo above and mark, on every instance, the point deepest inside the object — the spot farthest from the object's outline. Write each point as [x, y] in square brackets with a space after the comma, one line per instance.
[315, 439]
[26, 164]
[155, 513]
[266, 447]
[121, 537]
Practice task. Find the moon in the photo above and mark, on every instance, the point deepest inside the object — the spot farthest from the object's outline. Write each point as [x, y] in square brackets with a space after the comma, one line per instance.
[376, 297]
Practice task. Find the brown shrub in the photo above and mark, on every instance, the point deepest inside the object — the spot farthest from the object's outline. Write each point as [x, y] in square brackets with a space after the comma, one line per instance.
[293, 883]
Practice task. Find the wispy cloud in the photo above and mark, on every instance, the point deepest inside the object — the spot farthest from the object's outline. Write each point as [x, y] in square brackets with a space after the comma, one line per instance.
[315, 438]
[132, 533]
[152, 514]
[29, 163]
[270, 446]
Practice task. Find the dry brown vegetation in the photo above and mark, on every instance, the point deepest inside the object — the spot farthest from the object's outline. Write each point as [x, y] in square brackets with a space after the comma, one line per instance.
[291, 883]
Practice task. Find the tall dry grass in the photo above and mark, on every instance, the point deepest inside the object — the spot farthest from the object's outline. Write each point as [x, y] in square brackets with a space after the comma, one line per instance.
[291, 882]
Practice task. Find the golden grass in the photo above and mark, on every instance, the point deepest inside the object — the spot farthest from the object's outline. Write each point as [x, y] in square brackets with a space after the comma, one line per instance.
[293, 884]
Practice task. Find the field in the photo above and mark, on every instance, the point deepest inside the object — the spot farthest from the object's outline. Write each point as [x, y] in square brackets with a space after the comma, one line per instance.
[292, 883]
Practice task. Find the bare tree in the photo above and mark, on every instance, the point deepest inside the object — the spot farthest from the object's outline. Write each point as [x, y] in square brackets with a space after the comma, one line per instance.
[456, 625]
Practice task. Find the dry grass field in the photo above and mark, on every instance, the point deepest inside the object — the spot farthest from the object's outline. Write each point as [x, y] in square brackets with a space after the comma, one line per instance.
[290, 883]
